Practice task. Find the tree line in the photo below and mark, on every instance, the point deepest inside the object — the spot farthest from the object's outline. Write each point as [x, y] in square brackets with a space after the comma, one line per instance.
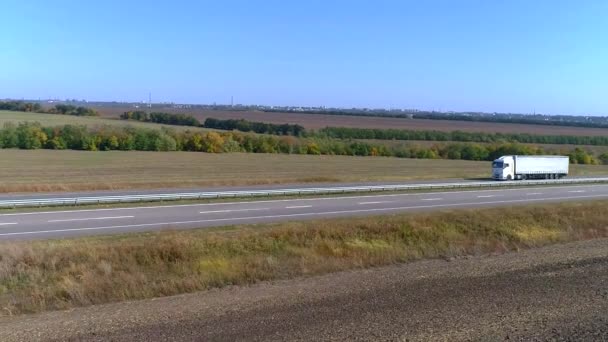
[363, 133]
[253, 126]
[19, 106]
[161, 118]
[105, 138]
[396, 134]
[63, 109]
[228, 125]
[72, 110]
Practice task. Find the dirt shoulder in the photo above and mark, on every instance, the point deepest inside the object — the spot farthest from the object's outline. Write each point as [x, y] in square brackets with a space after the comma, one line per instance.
[557, 292]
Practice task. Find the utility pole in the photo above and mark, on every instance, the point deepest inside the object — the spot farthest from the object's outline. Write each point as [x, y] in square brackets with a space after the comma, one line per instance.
[149, 102]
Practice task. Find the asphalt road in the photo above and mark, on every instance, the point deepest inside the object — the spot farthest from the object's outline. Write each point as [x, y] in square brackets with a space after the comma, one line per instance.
[57, 224]
[556, 293]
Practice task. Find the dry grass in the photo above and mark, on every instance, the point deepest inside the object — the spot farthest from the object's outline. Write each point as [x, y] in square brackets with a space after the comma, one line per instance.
[316, 121]
[81, 170]
[49, 275]
[49, 170]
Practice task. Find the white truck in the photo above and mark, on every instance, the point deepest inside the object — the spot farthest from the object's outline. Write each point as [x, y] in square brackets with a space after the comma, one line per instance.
[530, 167]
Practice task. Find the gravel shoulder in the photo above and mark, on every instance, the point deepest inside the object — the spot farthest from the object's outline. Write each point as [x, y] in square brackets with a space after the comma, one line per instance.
[558, 292]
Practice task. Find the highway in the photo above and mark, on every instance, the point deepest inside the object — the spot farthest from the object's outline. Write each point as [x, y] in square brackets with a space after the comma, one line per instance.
[54, 195]
[71, 223]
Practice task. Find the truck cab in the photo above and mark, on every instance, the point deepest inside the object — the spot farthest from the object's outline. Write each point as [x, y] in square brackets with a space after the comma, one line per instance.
[503, 168]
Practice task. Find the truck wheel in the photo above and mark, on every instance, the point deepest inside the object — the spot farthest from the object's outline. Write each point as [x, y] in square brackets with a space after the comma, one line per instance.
[523, 177]
[508, 177]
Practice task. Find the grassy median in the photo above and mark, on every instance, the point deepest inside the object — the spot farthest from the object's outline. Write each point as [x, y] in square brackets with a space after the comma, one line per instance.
[59, 274]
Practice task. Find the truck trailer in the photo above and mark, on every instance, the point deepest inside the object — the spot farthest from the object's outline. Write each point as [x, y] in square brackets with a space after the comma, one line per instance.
[530, 167]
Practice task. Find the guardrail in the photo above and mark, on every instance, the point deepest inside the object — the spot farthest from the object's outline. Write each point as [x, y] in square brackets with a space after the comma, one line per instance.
[69, 201]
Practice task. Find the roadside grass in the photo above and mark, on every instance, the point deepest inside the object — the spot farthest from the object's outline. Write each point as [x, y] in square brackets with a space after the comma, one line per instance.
[60, 274]
[51, 170]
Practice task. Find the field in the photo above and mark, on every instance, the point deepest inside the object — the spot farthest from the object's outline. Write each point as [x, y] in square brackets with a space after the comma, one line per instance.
[316, 121]
[61, 274]
[52, 170]
[60, 120]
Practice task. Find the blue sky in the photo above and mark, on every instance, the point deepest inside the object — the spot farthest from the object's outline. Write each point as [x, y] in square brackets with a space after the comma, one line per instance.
[506, 56]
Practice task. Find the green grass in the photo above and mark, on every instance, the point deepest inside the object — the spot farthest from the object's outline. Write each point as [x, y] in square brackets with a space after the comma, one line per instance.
[60, 274]
[51, 170]
[60, 120]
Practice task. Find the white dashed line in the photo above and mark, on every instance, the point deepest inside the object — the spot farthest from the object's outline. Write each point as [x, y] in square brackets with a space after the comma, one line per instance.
[299, 206]
[377, 202]
[431, 199]
[93, 218]
[231, 210]
[8, 223]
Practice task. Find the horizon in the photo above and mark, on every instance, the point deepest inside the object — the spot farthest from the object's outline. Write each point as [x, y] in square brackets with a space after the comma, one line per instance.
[290, 107]
[522, 58]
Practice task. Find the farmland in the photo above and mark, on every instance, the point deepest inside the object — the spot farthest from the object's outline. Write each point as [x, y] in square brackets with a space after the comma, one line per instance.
[317, 121]
[64, 170]
[60, 120]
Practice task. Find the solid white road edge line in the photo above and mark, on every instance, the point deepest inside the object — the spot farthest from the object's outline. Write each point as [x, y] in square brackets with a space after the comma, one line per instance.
[302, 214]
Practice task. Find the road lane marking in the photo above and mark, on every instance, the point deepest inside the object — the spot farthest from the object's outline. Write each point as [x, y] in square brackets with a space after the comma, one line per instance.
[301, 214]
[8, 223]
[486, 196]
[375, 202]
[231, 210]
[299, 206]
[431, 199]
[534, 193]
[296, 200]
[92, 219]
[577, 191]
